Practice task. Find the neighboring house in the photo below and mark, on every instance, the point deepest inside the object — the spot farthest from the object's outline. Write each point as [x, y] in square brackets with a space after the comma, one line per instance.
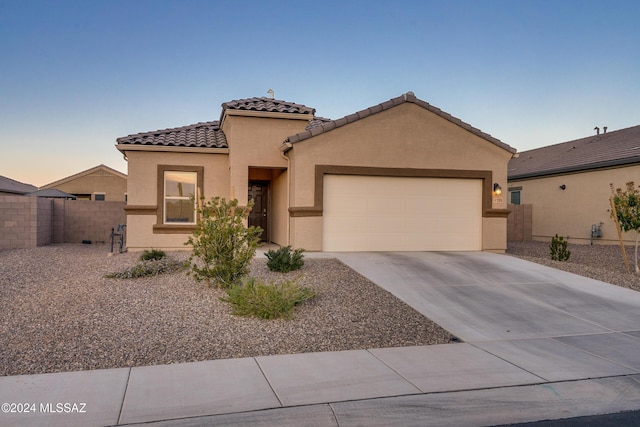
[568, 184]
[99, 183]
[10, 187]
[401, 175]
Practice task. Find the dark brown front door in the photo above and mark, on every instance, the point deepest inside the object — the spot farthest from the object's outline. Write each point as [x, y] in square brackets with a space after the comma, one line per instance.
[259, 193]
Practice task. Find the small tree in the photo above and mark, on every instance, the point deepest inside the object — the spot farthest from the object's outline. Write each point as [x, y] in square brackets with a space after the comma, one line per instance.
[627, 210]
[222, 245]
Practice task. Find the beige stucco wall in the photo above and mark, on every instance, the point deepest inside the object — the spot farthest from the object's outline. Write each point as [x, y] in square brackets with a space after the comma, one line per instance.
[572, 212]
[143, 192]
[98, 181]
[306, 233]
[494, 234]
[279, 208]
[255, 142]
[406, 136]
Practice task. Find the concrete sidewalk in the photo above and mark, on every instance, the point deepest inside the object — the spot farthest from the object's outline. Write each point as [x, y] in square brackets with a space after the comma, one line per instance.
[452, 384]
[539, 344]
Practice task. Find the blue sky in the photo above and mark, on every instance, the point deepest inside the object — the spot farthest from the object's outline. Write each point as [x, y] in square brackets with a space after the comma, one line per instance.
[75, 75]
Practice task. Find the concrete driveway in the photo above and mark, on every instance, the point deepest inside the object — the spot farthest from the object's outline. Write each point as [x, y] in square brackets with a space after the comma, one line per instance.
[551, 323]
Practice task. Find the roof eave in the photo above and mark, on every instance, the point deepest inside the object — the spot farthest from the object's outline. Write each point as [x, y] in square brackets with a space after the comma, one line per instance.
[394, 102]
[123, 148]
[578, 168]
[264, 114]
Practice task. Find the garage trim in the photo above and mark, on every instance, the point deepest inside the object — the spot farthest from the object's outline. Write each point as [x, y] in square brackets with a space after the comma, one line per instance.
[322, 170]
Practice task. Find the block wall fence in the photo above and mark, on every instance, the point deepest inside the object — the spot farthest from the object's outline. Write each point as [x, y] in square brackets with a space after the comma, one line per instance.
[27, 222]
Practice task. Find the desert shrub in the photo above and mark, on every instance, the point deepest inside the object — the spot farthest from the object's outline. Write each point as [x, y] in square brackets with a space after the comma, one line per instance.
[558, 249]
[222, 245]
[148, 268]
[284, 259]
[153, 254]
[267, 301]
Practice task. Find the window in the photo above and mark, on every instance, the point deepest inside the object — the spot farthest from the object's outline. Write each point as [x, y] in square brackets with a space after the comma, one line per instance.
[178, 187]
[180, 197]
[99, 197]
[515, 197]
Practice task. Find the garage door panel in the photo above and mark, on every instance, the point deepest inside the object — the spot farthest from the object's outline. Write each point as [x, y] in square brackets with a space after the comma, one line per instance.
[348, 225]
[384, 206]
[364, 213]
[426, 228]
[378, 223]
[348, 205]
[422, 205]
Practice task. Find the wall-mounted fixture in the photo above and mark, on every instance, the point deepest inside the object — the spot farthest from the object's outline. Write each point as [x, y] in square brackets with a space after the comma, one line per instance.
[596, 231]
[497, 189]
[563, 187]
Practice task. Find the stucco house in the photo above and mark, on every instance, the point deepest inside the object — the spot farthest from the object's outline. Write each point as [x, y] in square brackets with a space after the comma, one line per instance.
[100, 183]
[568, 184]
[402, 175]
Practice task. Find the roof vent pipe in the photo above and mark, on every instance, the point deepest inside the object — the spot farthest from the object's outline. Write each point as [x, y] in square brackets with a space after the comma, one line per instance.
[604, 129]
[597, 129]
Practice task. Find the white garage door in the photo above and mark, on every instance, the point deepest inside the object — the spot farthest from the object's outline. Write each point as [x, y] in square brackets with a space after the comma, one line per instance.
[367, 213]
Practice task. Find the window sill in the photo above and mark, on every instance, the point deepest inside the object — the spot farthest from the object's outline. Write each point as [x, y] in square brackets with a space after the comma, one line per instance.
[173, 228]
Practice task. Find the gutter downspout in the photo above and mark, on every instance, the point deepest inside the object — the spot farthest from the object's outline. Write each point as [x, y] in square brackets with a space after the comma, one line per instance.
[286, 146]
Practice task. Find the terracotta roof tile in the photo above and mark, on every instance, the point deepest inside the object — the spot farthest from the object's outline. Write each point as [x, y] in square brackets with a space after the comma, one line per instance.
[317, 121]
[407, 97]
[200, 135]
[267, 105]
[607, 149]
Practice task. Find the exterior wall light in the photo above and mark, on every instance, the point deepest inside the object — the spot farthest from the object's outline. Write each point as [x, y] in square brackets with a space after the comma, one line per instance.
[497, 189]
[563, 187]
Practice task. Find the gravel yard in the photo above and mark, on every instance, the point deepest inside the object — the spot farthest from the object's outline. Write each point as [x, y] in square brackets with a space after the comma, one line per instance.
[59, 313]
[600, 262]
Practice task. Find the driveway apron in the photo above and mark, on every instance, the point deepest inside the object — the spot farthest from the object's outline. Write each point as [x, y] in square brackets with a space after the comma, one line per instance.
[554, 324]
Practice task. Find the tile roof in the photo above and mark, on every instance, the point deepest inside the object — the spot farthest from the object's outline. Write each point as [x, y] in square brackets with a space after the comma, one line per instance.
[407, 97]
[267, 105]
[597, 151]
[200, 135]
[8, 185]
[317, 121]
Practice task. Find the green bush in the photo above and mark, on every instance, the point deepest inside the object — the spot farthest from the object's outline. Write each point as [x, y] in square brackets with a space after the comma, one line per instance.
[222, 245]
[148, 268]
[284, 260]
[558, 249]
[257, 299]
[153, 254]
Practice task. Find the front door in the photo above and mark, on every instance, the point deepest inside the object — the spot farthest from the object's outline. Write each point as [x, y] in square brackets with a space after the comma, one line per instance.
[259, 193]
